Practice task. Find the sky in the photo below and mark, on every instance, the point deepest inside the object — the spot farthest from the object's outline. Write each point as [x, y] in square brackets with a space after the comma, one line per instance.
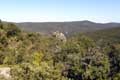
[60, 10]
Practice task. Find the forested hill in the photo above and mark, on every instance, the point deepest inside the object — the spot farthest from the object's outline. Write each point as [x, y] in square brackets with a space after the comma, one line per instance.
[65, 27]
[32, 56]
[111, 35]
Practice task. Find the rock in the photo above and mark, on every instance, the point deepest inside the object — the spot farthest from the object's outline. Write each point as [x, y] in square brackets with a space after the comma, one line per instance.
[5, 72]
[60, 36]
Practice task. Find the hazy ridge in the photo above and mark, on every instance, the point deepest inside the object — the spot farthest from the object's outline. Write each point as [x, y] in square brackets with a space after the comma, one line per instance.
[65, 27]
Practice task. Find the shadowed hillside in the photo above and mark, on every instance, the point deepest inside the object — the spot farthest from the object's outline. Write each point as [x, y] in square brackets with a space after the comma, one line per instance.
[111, 35]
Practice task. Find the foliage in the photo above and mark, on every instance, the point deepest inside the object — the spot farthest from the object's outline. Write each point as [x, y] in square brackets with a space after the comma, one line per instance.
[32, 56]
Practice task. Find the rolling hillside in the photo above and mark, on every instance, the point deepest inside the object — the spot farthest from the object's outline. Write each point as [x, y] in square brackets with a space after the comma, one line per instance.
[111, 35]
[65, 27]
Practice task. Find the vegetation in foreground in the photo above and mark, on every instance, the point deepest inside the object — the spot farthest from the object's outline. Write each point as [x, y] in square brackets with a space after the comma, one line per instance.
[32, 56]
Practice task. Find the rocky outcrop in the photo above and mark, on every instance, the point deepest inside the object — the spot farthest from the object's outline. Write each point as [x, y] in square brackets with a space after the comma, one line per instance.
[60, 36]
[5, 72]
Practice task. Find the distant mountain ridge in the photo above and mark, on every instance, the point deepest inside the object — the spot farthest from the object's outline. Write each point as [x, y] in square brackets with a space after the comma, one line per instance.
[65, 27]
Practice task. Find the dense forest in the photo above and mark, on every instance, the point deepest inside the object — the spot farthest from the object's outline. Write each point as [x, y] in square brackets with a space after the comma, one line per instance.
[32, 56]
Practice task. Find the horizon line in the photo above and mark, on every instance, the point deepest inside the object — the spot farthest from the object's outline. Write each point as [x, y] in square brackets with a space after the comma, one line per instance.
[59, 21]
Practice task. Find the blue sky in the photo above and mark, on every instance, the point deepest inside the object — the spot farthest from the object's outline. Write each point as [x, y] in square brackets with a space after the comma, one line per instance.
[60, 10]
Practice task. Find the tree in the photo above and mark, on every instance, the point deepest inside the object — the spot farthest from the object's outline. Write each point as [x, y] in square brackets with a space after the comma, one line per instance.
[114, 57]
[83, 61]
